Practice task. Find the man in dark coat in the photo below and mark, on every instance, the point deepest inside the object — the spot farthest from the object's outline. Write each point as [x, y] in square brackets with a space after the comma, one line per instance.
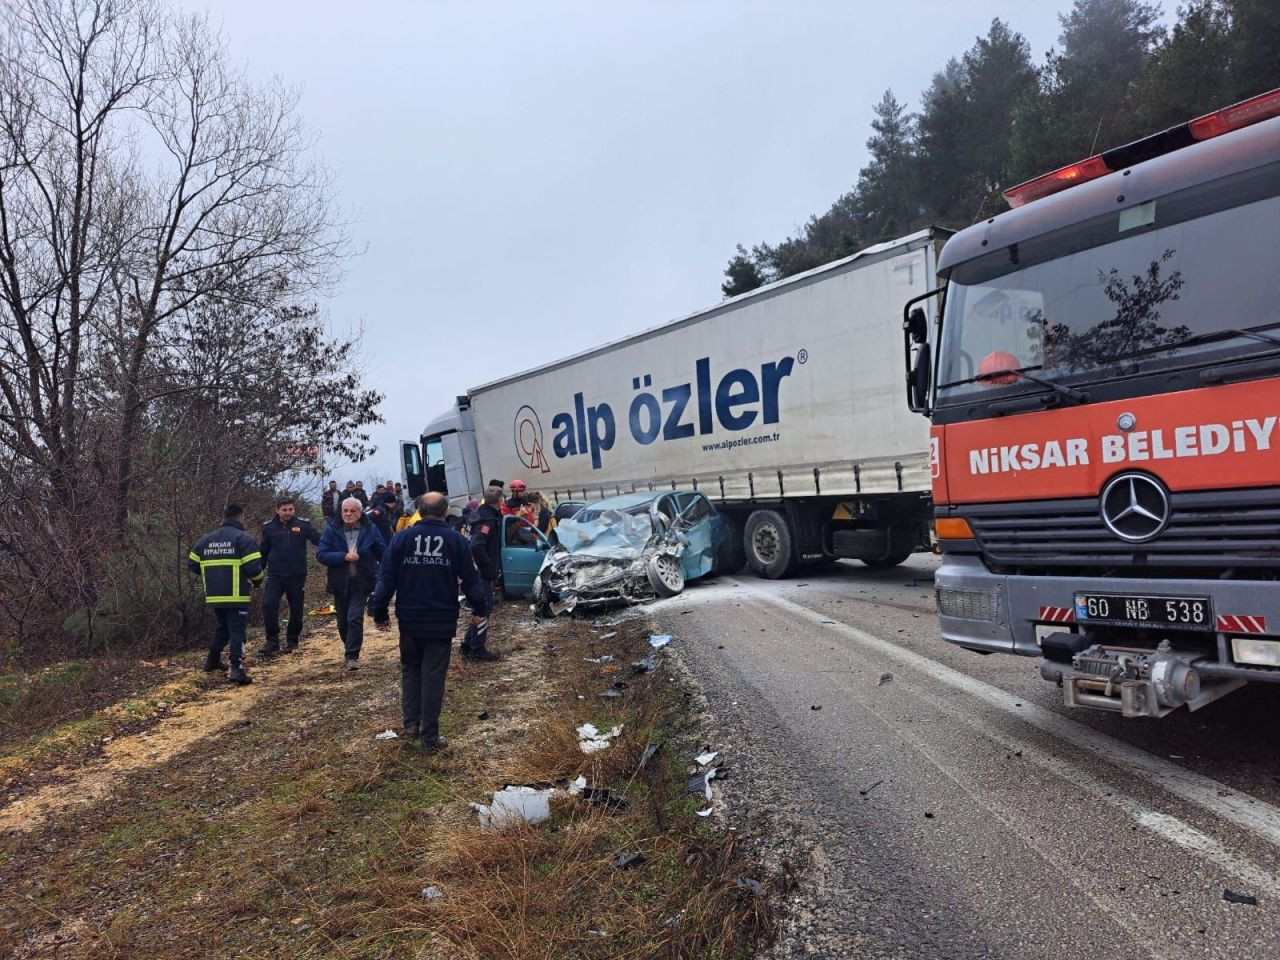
[422, 569]
[351, 548]
[284, 549]
[486, 552]
[229, 564]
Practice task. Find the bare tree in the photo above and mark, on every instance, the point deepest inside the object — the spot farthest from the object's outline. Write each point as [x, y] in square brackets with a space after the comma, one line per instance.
[161, 221]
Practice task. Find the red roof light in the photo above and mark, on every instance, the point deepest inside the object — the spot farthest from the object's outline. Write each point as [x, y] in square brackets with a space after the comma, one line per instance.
[1242, 114]
[1262, 107]
[1059, 179]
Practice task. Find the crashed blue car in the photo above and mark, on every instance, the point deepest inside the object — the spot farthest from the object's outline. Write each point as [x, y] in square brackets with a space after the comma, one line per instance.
[629, 549]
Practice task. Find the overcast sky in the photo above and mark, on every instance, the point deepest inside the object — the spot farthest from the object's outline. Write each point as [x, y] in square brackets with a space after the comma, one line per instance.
[531, 179]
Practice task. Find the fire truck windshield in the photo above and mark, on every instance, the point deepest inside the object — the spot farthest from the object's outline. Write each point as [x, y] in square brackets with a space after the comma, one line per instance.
[1151, 287]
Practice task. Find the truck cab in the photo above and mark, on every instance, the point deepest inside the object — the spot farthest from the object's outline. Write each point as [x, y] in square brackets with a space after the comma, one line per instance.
[1104, 407]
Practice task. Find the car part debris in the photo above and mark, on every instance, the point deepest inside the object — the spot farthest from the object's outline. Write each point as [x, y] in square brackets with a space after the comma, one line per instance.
[591, 740]
[866, 791]
[647, 665]
[629, 860]
[703, 759]
[482, 715]
[659, 641]
[512, 804]
[650, 751]
[386, 735]
[1232, 897]
[704, 813]
[605, 797]
[701, 782]
[885, 678]
[815, 706]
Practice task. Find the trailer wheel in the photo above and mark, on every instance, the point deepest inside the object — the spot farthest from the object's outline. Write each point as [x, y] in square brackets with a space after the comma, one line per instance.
[665, 575]
[732, 555]
[768, 545]
[892, 560]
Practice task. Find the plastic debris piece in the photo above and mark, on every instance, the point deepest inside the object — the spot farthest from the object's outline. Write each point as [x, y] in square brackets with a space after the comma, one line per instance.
[597, 933]
[591, 740]
[432, 893]
[515, 803]
[482, 715]
[629, 860]
[704, 813]
[647, 665]
[606, 658]
[387, 735]
[672, 920]
[703, 759]
[885, 678]
[577, 786]
[611, 694]
[658, 641]
[1232, 897]
[866, 791]
[608, 636]
[750, 885]
[649, 751]
[815, 706]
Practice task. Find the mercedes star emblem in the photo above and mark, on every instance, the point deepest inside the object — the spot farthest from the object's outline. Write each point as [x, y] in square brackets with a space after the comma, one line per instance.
[1126, 422]
[1135, 507]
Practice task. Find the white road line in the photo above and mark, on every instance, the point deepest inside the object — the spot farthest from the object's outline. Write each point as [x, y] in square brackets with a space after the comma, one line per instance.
[1240, 809]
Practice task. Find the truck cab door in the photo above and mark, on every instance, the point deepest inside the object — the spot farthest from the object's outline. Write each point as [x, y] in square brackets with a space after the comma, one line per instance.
[415, 477]
[523, 550]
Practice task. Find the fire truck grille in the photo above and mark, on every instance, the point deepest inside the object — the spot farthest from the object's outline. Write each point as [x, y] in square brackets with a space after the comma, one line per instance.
[1217, 530]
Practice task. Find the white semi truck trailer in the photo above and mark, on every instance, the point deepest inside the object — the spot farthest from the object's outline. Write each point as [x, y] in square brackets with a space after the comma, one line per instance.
[782, 405]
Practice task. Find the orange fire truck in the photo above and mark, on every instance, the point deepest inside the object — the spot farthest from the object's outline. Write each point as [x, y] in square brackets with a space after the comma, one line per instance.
[1103, 380]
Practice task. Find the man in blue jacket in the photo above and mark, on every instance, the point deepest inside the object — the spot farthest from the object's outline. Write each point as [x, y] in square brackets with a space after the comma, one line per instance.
[230, 565]
[351, 548]
[284, 549]
[423, 567]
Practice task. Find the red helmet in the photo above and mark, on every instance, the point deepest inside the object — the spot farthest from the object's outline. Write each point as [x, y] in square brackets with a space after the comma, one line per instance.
[516, 484]
[996, 369]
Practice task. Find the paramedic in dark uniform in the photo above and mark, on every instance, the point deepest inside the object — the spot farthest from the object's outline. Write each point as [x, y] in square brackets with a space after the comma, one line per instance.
[229, 564]
[422, 569]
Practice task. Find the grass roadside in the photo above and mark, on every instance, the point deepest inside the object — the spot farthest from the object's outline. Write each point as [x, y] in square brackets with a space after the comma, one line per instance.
[297, 834]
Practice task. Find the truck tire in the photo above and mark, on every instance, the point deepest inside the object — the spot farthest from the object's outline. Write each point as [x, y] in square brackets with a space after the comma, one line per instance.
[665, 575]
[892, 560]
[732, 555]
[768, 544]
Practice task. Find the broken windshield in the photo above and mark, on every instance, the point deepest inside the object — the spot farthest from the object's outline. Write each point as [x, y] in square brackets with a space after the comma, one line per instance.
[1160, 280]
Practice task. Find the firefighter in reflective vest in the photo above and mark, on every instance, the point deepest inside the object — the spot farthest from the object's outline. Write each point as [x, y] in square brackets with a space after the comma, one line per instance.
[230, 565]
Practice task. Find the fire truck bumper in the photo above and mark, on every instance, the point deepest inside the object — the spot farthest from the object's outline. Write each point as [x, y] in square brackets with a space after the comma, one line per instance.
[995, 613]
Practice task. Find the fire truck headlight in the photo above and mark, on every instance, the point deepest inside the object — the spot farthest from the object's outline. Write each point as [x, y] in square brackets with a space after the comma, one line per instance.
[1264, 653]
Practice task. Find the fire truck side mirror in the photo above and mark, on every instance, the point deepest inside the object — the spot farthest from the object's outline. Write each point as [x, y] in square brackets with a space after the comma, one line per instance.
[919, 378]
[917, 325]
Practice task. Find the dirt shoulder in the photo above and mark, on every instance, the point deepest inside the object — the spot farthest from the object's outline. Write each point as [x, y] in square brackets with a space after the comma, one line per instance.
[268, 821]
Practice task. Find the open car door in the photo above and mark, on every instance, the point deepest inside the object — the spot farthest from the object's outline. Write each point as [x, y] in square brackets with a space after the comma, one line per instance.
[523, 550]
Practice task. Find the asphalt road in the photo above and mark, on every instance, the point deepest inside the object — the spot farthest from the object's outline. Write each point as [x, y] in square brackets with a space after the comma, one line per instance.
[952, 807]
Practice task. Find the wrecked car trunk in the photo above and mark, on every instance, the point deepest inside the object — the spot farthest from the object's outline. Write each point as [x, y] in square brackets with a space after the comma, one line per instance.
[628, 550]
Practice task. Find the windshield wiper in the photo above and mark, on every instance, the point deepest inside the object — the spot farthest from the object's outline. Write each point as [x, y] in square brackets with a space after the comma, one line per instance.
[1249, 333]
[1069, 393]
